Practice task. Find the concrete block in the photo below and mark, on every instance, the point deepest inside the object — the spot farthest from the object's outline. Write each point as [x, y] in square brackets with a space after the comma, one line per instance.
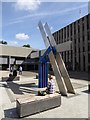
[12, 78]
[34, 104]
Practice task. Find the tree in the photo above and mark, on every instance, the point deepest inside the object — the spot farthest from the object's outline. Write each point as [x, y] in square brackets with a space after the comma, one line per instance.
[26, 45]
[3, 42]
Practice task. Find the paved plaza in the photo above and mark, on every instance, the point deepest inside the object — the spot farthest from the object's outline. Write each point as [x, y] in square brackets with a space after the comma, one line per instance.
[73, 106]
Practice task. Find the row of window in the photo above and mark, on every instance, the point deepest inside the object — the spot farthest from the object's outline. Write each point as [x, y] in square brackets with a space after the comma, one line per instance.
[69, 60]
[63, 33]
[60, 40]
[78, 40]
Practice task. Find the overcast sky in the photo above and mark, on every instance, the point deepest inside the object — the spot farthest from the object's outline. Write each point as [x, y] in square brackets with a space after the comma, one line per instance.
[20, 19]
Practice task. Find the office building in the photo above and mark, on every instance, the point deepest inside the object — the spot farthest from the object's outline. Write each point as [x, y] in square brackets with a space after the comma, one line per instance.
[77, 59]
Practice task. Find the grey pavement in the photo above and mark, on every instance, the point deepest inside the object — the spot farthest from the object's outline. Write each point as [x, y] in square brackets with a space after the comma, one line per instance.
[73, 106]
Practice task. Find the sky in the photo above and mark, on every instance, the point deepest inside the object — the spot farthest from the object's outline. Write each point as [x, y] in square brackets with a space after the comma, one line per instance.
[20, 19]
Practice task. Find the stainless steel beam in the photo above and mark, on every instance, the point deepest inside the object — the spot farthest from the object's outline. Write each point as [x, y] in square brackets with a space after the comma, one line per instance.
[66, 46]
[36, 54]
[59, 48]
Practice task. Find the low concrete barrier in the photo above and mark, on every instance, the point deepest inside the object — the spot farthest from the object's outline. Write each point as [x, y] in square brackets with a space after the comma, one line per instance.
[35, 104]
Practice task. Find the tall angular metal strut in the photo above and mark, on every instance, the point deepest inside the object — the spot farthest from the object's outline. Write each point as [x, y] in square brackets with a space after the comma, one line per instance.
[60, 62]
[57, 63]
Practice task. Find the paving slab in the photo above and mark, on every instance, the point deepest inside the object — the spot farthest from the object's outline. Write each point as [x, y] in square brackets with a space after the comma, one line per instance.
[76, 106]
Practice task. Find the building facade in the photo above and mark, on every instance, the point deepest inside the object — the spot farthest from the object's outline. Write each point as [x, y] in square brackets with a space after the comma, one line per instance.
[78, 58]
[10, 55]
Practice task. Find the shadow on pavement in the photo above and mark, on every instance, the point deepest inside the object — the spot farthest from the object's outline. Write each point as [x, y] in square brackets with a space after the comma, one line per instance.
[20, 88]
[79, 75]
[86, 91]
[10, 113]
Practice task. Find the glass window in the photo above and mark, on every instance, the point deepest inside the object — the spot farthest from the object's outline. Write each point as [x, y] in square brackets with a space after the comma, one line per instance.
[89, 47]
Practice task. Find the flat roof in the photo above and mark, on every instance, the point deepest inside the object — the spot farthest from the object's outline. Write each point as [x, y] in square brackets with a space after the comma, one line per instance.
[13, 51]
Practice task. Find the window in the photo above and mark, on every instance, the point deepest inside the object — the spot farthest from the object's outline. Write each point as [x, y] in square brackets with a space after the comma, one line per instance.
[83, 38]
[83, 27]
[62, 54]
[83, 49]
[68, 31]
[71, 39]
[89, 47]
[65, 57]
[71, 29]
[79, 39]
[84, 62]
[79, 50]
[59, 39]
[62, 34]
[65, 32]
[89, 57]
[88, 25]
[83, 19]
[78, 21]
[78, 28]
[88, 35]
[75, 28]
[75, 49]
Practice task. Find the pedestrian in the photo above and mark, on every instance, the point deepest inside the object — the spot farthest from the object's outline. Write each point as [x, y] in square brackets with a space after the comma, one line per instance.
[12, 68]
[50, 89]
[51, 85]
[20, 70]
[15, 71]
